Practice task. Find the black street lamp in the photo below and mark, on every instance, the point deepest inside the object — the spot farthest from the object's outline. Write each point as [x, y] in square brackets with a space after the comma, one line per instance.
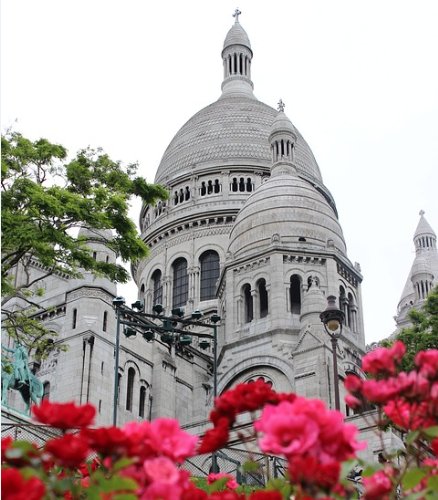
[171, 330]
[332, 319]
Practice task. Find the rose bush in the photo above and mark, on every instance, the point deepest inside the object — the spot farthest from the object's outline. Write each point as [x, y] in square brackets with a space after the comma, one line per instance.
[144, 459]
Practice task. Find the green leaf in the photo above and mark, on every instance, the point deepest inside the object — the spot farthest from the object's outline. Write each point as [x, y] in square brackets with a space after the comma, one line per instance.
[250, 466]
[412, 477]
[412, 437]
[431, 432]
[370, 470]
[218, 485]
[432, 483]
[122, 464]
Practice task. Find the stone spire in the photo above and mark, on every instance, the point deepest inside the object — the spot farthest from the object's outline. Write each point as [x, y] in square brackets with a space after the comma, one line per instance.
[236, 57]
[423, 275]
[424, 237]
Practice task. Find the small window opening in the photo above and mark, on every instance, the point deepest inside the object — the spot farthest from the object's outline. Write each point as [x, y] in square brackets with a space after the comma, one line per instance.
[105, 321]
[295, 295]
[249, 311]
[75, 317]
[142, 402]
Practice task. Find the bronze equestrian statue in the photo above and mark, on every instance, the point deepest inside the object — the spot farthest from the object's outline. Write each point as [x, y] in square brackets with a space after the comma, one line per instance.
[19, 377]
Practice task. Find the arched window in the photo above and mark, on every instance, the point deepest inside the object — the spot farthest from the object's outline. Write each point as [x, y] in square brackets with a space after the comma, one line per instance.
[263, 297]
[209, 261]
[352, 313]
[234, 185]
[249, 310]
[295, 294]
[343, 301]
[157, 288]
[130, 389]
[46, 391]
[105, 321]
[75, 318]
[187, 193]
[180, 283]
[142, 400]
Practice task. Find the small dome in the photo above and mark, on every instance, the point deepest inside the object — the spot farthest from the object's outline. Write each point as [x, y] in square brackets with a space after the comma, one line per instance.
[282, 125]
[237, 36]
[288, 210]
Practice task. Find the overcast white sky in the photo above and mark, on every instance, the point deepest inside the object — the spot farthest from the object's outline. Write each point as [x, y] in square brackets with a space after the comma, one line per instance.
[359, 79]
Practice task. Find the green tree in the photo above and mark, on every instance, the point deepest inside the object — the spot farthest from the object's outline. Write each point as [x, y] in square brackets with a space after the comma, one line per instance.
[46, 198]
[423, 334]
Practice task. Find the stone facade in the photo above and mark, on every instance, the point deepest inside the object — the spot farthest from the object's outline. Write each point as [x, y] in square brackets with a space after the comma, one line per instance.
[250, 231]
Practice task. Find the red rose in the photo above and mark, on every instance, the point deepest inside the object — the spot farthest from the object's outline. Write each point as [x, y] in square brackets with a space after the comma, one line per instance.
[16, 487]
[106, 440]
[215, 438]
[69, 450]
[64, 415]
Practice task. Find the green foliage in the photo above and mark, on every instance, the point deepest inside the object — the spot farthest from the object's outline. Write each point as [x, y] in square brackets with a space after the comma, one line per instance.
[46, 199]
[423, 334]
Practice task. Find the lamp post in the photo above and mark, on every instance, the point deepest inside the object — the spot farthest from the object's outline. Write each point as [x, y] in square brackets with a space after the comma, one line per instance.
[118, 303]
[332, 318]
[171, 331]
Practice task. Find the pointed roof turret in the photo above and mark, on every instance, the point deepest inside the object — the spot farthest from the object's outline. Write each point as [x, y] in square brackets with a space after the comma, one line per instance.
[237, 56]
[424, 237]
[423, 274]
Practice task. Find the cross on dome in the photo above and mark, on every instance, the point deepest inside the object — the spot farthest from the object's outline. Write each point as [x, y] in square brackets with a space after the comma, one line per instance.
[281, 106]
[237, 14]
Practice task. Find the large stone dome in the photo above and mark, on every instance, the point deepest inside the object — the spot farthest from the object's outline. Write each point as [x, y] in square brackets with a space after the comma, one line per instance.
[290, 211]
[234, 130]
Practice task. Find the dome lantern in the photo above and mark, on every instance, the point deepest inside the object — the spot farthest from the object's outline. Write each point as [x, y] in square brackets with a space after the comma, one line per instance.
[282, 139]
[237, 57]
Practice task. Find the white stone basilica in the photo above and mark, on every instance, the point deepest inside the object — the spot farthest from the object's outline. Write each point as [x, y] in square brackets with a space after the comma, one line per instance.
[250, 231]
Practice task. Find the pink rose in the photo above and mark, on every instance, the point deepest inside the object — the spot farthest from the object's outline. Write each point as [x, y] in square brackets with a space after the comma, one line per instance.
[382, 361]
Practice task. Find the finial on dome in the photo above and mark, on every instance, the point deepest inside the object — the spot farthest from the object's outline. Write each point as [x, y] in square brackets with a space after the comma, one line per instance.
[237, 14]
[421, 213]
[281, 106]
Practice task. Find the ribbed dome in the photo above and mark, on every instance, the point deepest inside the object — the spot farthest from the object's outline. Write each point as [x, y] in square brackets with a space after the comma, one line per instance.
[237, 36]
[288, 209]
[234, 130]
